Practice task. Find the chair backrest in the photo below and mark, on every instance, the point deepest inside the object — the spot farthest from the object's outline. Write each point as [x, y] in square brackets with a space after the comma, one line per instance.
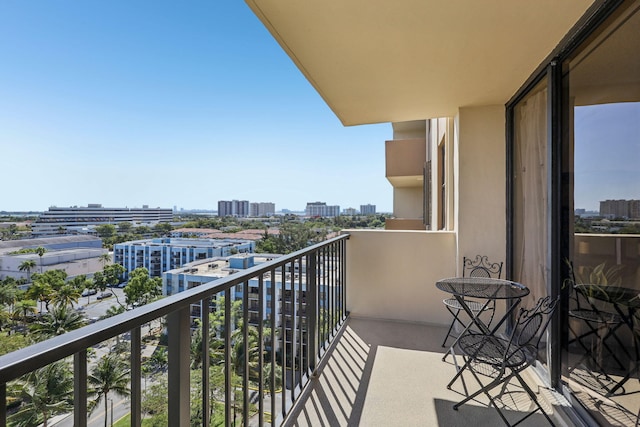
[532, 323]
[481, 267]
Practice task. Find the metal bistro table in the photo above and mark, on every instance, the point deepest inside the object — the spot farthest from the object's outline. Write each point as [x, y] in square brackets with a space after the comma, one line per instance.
[626, 302]
[482, 288]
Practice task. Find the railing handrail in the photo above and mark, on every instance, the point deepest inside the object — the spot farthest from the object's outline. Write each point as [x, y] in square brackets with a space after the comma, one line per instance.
[19, 362]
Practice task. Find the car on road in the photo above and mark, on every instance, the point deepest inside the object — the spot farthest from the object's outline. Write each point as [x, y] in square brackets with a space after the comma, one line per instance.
[105, 295]
[88, 292]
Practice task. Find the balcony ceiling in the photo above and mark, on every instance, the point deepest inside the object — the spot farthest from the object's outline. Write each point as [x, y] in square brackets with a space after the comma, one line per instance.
[389, 61]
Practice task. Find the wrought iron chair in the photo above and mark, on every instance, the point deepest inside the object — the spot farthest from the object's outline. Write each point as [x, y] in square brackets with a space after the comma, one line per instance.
[505, 357]
[600, 324]
[478, 267]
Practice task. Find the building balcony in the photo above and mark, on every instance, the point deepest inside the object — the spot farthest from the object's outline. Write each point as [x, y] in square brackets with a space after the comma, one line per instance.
[405, 159]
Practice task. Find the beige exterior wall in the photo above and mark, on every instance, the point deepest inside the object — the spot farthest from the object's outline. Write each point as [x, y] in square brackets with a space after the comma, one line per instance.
[480, 182]
[407, 202]
[392, 274]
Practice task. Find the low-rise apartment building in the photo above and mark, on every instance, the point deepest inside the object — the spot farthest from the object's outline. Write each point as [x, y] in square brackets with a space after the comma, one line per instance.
[164, 254]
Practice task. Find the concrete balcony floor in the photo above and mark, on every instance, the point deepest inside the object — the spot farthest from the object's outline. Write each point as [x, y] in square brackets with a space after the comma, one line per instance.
[381, 373]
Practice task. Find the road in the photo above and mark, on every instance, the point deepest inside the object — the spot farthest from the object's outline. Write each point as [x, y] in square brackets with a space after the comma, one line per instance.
[94, 308]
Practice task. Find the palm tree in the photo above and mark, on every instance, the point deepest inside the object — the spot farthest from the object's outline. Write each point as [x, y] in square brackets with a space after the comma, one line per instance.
[109, 375]
[27, 265]
[40, 251]
[44, 393]
[8, 293]
[105, 259]
[5, 317]
[59, 320]
[68, 295]
[23, 309]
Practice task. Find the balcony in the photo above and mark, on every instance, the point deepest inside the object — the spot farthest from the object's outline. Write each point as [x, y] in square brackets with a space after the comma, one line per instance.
[382, 360]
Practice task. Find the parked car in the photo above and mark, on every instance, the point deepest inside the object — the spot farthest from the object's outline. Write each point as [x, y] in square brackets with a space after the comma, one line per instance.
[105, 295]
[88, 292]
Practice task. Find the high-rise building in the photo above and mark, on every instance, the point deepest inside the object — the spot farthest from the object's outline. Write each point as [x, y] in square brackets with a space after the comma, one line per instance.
[620, 208]
[367, 209]
[237, 208]
[322, 210]
[258, 209]
[76, 219]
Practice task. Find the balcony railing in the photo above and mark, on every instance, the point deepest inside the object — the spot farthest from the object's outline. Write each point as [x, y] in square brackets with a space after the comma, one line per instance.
[325, 267]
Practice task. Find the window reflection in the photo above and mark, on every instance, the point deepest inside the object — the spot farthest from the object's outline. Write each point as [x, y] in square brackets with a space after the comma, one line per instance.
[603, 82]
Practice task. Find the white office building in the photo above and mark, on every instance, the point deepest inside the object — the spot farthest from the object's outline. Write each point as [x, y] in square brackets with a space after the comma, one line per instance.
[81, 219]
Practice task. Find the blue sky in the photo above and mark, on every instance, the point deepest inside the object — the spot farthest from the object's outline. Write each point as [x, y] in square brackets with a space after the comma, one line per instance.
[168, 103]
[607, 153]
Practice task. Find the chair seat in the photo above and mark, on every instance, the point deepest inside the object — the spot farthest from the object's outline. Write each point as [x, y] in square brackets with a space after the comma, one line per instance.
[595, 316]
[474, 306]
[491, 350]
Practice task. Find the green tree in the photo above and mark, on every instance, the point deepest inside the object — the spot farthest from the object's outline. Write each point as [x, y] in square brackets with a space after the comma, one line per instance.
[24, 309]
[110, 374]
[106, 231]
[124, 227]
[8, 293]
[67, 295]
[59, 320]
[12, 342]
[105, 259]
[141, 288]
[163, 228]
[46, 285]
[27, 265]
[44, 393]
[40, 251]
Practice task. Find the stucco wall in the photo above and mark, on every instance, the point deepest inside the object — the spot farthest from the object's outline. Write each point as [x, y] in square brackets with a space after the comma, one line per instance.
[407, 202]
[481, 183]
[392, 274]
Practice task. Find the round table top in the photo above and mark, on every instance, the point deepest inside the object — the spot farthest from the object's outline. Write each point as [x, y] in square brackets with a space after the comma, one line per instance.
[482, 287]
[612, 294]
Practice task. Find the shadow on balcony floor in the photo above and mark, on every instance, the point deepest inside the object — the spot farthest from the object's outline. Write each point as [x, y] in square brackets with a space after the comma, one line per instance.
[391, 373]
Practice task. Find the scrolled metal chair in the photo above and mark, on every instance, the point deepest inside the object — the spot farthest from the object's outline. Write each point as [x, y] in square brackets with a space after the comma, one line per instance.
[507, 356]
[478, 267]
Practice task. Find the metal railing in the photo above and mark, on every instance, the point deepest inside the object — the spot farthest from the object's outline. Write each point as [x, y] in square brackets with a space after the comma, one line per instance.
[323, 282]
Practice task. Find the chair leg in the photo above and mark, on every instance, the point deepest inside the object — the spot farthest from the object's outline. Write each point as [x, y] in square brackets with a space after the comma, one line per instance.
[533, 397]
[455, 318]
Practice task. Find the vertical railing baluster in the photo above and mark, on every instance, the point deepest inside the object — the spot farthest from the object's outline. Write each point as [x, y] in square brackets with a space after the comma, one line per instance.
[334, 289]
[273, 324]
[343, 281]
[206, 361]
[79, 389]
[301, 326]
[312, 313]
[3, 404]
[283, 321]
[229, 400]
[178, 330]
[293, 316]
[245, 353]
[136, 376]
[261, 296]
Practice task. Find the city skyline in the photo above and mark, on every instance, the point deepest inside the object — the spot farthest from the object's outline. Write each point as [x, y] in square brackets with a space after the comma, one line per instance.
[125, 104]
